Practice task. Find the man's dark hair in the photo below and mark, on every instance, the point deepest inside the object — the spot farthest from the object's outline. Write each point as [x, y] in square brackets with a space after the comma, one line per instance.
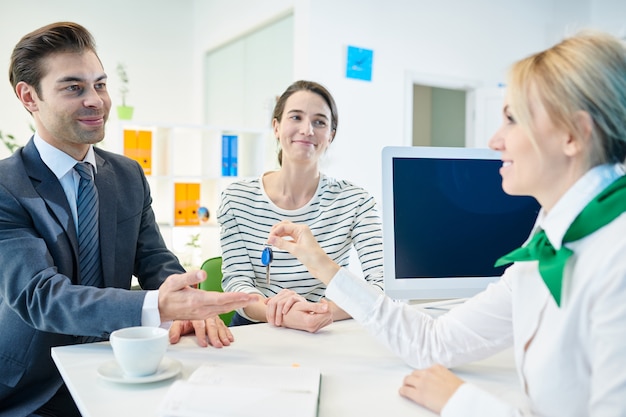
[26, 59]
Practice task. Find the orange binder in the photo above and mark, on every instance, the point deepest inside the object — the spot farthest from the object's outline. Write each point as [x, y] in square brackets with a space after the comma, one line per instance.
[130, 144]
[180, 204]
[138, 146]
[193, 203]
[144, 150]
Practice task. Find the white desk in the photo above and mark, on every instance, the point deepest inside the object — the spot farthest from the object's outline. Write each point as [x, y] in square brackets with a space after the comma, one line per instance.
[359, 376]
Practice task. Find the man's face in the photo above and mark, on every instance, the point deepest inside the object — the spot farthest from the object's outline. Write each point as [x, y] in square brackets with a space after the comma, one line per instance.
[71, 111]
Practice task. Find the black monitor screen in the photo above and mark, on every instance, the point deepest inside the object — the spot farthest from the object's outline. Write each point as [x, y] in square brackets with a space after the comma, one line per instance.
[452, 218]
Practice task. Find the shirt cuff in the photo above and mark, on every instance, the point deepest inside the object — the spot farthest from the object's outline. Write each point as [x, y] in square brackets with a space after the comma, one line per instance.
[354, 295]
[469, 400]
[150, 315]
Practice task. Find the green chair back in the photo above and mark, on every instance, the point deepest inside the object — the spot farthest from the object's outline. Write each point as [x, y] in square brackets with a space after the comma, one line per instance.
[213, 282]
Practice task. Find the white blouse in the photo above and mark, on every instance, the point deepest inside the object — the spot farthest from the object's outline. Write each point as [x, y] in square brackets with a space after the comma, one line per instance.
[571, 360]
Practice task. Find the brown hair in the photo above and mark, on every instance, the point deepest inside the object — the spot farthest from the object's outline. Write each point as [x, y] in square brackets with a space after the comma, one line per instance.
[586, 72]
[26, 60]
[313, 87]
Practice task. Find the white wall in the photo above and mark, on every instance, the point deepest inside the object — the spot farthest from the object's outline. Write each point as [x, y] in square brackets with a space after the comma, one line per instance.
[573, 15]
[217, 22]
[609, 15]
[453, 39]
[241, 69]
[163, 43]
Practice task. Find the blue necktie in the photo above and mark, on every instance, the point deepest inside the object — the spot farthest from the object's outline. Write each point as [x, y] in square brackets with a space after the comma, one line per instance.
[88, 237]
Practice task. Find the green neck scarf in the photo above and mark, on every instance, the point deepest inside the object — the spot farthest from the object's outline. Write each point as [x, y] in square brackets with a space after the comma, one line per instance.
[600, 211]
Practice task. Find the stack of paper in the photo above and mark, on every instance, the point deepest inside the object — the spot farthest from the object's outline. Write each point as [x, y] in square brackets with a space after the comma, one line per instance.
[241, 391]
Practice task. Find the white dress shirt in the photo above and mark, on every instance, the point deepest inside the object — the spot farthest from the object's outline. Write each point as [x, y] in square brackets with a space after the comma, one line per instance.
[571, 360]
[62, 165]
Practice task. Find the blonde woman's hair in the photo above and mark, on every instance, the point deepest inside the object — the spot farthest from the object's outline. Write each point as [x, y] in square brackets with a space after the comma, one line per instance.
[585, 72]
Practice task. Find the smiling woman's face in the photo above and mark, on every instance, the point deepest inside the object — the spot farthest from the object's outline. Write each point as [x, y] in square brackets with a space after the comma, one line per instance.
[305, 130]
[537, 168]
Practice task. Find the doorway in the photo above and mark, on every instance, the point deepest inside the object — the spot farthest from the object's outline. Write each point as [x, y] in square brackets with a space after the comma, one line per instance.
[445, 111]
[438, 116]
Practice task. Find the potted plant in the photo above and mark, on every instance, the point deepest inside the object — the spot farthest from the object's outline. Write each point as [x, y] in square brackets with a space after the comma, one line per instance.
[9, 141]
[124, 112]
[191, 259]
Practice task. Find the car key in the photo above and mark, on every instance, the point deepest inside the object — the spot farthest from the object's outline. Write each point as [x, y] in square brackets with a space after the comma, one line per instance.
[267, 256]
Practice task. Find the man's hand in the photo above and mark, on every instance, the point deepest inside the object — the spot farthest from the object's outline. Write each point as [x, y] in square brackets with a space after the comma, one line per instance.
[180, 300]
[212, 328]
[431, 387]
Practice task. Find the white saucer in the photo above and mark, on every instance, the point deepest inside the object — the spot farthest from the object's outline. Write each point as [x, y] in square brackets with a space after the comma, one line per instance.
[111, 371]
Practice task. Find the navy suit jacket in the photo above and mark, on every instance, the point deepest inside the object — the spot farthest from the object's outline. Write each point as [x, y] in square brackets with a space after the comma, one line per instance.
[41, 302]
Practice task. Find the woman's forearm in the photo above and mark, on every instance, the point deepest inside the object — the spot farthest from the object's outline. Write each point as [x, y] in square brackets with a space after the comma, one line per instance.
[257, 311]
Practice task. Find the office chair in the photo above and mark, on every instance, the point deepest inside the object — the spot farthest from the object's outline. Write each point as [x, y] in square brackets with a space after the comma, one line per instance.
[213, 281]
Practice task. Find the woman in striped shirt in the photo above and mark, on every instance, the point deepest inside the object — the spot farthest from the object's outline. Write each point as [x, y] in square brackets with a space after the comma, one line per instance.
[340, 214]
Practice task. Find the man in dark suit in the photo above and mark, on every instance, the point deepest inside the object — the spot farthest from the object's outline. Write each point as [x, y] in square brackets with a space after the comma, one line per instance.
[44, 300]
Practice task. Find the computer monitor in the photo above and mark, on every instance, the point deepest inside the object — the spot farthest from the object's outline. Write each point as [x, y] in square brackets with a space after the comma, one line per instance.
[446, 220]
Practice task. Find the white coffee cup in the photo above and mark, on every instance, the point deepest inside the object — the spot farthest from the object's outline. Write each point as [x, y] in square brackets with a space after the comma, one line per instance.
[139, 350]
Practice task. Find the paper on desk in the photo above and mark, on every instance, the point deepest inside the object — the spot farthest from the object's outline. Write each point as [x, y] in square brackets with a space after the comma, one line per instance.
[224, 390]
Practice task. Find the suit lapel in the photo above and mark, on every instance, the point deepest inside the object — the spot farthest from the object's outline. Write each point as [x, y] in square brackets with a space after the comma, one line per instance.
[107, 197]
[48, 187]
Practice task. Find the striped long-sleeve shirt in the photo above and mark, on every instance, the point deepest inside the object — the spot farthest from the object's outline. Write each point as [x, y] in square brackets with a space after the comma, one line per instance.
[339, 215]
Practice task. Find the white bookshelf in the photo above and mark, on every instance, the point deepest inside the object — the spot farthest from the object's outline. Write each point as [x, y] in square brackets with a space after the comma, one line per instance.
[193, 154]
